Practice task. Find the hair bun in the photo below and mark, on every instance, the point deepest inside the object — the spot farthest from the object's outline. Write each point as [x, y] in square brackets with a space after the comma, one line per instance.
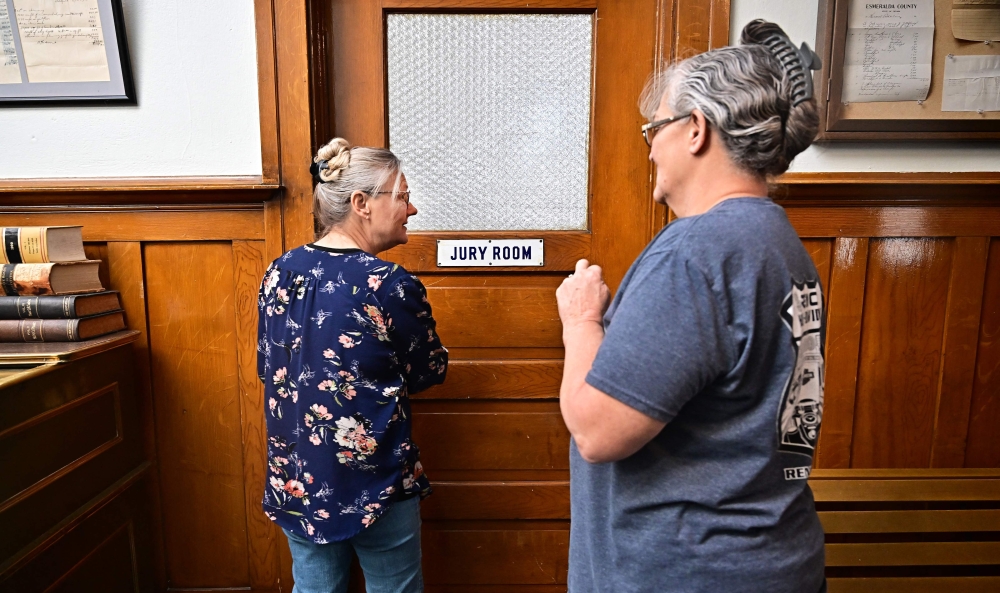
[802, 120]
[337, 155]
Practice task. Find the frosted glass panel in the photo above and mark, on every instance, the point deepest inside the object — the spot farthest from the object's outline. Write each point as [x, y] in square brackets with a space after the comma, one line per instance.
[491, 117]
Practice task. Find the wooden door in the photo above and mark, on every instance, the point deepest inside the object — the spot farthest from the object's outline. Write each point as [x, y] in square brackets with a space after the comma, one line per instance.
[492, 438]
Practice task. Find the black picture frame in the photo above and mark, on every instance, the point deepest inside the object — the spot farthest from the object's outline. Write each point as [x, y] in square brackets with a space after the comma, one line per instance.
[881, 123]
[30, 94]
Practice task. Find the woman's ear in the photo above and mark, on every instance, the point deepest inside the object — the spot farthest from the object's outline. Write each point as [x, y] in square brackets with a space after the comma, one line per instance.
[698, 132]
[360, 205]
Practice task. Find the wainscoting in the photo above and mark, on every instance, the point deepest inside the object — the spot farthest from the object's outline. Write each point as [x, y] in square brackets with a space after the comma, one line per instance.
[188, 277]
[913, 292]
[911, 277]
[912, 282]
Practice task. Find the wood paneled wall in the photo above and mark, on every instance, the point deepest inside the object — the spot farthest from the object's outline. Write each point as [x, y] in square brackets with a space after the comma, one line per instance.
[911, 362]
[188, 277]
[913, 375]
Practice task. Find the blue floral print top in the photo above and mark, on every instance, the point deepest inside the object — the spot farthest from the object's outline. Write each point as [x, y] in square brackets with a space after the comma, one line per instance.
[344, 337]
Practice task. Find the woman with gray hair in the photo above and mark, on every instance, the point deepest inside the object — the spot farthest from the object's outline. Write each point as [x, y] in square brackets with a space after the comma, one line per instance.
[344, 339]
[695, 400]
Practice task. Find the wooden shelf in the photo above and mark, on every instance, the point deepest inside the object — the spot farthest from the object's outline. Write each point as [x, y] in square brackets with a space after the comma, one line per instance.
[19, 354]
[967, 188]
[136, 190]
[875, 178]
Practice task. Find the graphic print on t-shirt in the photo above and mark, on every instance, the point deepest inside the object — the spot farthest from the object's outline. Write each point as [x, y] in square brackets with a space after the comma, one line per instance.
[801, 410]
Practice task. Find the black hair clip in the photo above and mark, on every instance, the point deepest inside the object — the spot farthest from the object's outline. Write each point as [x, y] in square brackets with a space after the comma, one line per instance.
[315, 168]
[797, 64]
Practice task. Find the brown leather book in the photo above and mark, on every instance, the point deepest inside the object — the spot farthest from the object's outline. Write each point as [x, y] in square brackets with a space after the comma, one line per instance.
[60, 330]
[41, 244]
[51, 278]
[71, 306]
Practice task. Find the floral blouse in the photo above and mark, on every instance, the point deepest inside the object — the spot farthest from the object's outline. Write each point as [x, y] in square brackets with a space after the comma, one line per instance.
[344, 337]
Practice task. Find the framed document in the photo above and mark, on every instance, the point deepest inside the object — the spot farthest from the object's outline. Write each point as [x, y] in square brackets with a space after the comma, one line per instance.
[55, 52]
[909, 70]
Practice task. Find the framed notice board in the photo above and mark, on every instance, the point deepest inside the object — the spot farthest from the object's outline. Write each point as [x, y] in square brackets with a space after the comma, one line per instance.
[57, 52]
[864, 67]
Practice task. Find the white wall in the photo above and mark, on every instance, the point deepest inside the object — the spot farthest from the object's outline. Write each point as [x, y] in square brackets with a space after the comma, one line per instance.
[195, 67]
[798, 19]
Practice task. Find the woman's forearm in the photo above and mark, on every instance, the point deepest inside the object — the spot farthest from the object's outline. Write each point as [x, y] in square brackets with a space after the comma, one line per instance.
[603, 428]
[582, 340]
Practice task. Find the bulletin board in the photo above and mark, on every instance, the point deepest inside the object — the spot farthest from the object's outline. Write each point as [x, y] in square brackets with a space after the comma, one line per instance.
[842, 120]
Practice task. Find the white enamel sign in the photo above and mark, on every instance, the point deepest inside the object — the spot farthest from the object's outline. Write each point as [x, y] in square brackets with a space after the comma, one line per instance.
[490, 252]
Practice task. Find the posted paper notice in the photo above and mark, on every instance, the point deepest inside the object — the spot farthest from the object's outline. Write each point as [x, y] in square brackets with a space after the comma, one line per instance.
[971, 83]
[889, 50]
[975, 20]
[62, 40]
[10, 73]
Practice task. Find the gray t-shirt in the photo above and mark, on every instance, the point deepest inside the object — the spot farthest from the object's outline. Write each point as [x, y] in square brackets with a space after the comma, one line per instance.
[716, 330]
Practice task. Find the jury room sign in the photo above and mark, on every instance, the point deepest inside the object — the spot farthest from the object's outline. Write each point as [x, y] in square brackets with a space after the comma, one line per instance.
[490, 252]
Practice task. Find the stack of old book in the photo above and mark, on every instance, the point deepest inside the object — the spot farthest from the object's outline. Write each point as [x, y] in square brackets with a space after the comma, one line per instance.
[49, 290]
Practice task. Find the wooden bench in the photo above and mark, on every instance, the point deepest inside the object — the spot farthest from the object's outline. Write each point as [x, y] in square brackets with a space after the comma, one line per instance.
[910, 531]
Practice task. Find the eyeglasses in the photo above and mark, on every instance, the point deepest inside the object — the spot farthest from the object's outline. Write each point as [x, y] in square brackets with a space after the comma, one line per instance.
[649, 130]
[403, 195]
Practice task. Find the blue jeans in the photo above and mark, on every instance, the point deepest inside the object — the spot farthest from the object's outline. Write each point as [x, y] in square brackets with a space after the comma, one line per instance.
[389, 552]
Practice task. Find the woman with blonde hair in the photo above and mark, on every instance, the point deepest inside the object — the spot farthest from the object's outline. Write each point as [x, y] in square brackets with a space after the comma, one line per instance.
[695, 399]
[344, 338]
